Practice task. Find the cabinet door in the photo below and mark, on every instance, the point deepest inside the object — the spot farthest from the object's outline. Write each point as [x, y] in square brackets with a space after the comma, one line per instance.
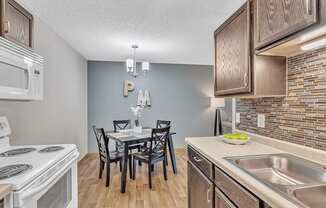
[221, 201]
[17, 23]
[200, 189]
[232, 54]
[276, 19]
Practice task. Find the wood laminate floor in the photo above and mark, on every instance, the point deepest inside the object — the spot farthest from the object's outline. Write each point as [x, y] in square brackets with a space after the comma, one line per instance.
[164, 194]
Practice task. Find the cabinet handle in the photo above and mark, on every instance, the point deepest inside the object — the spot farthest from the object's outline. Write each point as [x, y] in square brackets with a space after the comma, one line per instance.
[245, 79]
[308, 7]
[6, 26]
[208, 195]
[196, 159]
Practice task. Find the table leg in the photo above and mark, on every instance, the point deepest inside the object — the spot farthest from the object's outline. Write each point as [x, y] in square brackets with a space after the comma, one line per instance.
[124, 169]
[172, 155]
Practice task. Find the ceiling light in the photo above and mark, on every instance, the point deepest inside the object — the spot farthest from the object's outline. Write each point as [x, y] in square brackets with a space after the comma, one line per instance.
[131, 64]
[145, 66]
[314, 44]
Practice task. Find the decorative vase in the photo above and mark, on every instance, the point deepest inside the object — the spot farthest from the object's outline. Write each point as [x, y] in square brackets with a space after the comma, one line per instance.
[138, 129]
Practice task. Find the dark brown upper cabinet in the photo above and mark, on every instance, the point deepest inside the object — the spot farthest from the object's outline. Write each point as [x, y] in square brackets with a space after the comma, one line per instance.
[232, 54]
[283, 27]
[276, 19]
[239, 72]
[17, 23]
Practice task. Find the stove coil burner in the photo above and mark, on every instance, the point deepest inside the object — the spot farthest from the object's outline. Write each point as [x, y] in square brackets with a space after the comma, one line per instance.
[51, 149]
[15, 152]
[13, 170]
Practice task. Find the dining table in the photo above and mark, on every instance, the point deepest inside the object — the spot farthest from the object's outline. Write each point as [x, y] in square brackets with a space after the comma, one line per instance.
[129, 137]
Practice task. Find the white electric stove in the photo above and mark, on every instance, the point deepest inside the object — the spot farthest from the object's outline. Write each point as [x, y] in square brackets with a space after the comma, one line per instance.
[42, 176]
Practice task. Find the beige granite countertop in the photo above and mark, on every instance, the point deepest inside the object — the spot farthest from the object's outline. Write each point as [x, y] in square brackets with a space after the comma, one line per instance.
[5, 190]
[215, 150]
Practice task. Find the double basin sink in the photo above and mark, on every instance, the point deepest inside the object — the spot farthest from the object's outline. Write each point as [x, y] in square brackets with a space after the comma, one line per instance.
[299, 180]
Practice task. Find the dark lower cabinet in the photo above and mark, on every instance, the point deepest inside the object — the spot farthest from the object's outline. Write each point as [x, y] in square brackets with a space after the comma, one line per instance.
[217, 190]
[236, 192]
[221, 201]
[200, 189]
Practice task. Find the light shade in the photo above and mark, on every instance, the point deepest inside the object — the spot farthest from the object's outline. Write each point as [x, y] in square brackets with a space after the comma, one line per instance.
[217, 102]
[130, 65]
[145, 66]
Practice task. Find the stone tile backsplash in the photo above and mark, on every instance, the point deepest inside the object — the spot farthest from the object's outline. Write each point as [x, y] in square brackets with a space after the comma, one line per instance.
[301, 116]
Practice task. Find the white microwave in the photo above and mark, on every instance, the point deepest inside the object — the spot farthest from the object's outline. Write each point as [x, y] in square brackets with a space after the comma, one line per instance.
[21, 73]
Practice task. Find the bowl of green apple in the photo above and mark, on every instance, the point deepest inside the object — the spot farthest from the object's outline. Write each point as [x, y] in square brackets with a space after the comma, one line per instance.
[236, 138]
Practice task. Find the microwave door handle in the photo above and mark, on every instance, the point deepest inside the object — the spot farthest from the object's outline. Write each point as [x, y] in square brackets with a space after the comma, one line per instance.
[29, 77]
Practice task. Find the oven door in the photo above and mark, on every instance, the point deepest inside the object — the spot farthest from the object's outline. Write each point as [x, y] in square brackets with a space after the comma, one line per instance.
[58, 190]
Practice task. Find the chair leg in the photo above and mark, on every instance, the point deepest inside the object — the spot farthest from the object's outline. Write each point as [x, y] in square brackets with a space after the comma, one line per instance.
[101, 168]
[139, 162]
[164, 170]
[120, 165]
[116, 149]
[133, 169]
[130, 166]
[107, 174]
[150, 175]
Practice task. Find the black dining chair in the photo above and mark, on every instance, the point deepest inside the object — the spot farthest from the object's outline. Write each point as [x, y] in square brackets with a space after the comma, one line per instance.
[162, 123]
[106, 156]
[123, 125]
[154, 153]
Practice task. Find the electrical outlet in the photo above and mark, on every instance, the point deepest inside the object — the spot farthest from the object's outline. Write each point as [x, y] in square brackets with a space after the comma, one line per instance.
[237, 117]
[261, 120]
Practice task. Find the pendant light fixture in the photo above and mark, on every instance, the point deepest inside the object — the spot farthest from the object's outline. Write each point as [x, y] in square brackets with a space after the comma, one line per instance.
[131, 64]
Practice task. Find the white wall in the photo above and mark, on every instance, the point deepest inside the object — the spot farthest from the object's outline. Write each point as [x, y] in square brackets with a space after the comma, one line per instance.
[62, 116]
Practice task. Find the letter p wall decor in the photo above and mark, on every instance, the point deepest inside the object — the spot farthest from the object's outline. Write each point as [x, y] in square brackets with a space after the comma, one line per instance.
[128, 86]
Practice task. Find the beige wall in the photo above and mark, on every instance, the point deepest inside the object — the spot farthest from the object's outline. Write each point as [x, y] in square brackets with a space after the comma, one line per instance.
[62, 116]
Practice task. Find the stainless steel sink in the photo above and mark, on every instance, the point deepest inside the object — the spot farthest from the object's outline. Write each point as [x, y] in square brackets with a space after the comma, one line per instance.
[300, 180]
[311, 196]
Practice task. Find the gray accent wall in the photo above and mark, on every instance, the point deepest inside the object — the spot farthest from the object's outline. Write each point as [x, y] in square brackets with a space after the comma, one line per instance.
[179, 93]
[62, 116]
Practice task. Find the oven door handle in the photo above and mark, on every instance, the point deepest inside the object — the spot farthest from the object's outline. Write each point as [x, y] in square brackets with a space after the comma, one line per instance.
[49, 181]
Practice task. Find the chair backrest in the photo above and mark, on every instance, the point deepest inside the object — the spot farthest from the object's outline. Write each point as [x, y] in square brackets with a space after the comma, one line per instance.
[159, 140]
[97, 136]
[162, 123]
[102, 143]
[121, 125]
